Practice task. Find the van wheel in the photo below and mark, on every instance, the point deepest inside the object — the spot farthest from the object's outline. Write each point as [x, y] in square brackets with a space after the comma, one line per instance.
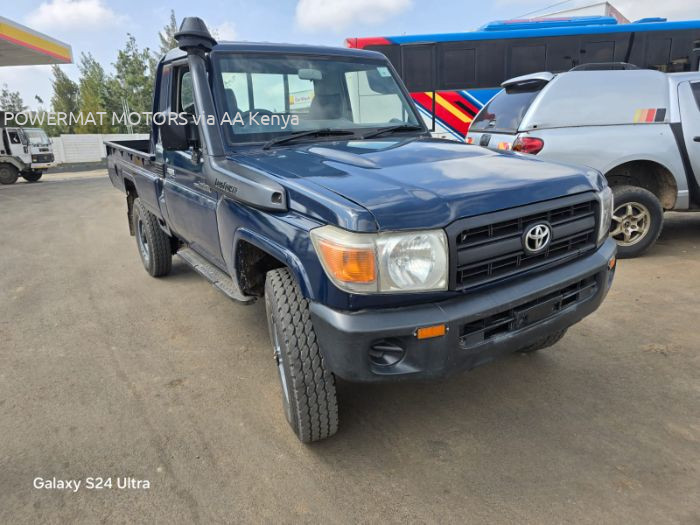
[152, 241]
[8, 174]
[637, 220]
[544, 342]
[31, 176]
[308, 388]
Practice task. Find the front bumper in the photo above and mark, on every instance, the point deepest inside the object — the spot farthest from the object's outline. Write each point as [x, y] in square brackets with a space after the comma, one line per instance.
[480, 325]
[43, 165]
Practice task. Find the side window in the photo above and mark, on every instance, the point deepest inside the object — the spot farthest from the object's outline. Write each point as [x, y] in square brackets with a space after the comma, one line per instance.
[236, 92]
[526, 59]
[696, 93]
[490, 63]
[392, 52]
[268, 92]
[597, 52]
[418, 67]
[457, 66]
[562, 53]
[658, 53]
[14, 137]
[185, 94]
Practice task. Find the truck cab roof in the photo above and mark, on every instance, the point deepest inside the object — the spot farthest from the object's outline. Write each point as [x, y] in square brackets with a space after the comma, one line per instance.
[270, 47]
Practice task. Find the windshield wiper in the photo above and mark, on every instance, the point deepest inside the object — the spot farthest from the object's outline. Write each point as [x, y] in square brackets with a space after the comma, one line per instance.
[310, 133]
[398, 127]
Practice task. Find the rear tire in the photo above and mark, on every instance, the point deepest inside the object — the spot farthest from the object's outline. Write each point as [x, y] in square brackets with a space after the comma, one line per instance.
[153, 243]
[310, 401]
[31, 176]
[638, 218]
[544, 342]
[8, 174]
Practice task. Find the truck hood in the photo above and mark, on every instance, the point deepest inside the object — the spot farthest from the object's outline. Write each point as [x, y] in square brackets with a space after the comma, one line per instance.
[419, 183]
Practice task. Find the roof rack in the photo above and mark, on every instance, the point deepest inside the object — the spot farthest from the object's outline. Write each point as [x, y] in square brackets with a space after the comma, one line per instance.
[605, 66]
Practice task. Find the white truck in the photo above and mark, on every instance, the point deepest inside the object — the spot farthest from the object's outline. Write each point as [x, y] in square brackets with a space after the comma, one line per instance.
[25, 152]
[640, 128]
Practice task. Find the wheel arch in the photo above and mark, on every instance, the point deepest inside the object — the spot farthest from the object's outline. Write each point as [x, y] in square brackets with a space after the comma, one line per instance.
[255, 255]
[648, 174]
[131, 195]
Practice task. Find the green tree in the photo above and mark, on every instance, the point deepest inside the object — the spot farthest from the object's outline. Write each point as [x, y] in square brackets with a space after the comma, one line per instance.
[11, 100]
[92, 96]
[132, 83]
[63, 100]
[167, 35]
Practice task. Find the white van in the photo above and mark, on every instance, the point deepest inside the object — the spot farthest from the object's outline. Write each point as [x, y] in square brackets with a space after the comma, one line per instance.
[640, 128]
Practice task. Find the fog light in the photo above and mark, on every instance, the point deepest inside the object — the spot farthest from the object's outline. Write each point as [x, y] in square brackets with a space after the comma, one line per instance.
[386, 353]
[427, 332]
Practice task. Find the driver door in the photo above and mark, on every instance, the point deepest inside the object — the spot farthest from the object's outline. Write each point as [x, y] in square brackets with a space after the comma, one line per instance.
[190, 201]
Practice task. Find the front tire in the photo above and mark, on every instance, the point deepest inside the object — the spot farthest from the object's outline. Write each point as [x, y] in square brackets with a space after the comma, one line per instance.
[31, 176]
[310, 401]
[8, 174]
[153, 243]
[638, 218]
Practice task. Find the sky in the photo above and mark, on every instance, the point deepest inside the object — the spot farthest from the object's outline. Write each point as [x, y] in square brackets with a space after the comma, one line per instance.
[100, 26]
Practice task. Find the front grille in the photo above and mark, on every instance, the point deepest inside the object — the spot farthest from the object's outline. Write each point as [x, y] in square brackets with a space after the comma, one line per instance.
[42, 158]
[527, 314]
[489, 247]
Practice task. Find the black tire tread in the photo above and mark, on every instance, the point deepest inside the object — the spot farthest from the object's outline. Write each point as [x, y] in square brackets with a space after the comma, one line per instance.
[8, 174]
[159, 242]
[312, 385]
[32, 177]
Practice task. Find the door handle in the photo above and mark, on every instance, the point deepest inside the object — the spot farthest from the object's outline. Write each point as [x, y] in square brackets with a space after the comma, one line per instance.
[697, 139]
[202, 186]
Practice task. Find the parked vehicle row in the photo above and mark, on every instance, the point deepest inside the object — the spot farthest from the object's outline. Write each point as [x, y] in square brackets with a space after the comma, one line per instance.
[382, 254]
[640, 128]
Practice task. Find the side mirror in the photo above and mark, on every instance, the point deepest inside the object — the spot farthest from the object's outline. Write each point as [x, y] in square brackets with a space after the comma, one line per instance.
[178, 135]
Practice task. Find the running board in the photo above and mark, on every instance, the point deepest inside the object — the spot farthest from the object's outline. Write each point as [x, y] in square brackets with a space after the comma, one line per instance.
[219, 279]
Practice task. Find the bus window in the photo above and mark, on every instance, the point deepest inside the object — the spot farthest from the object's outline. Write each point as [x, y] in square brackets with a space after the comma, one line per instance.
[419, 67]
[526, 59]
[597, 52]
[562, 53]
[490, 64]
[392, 52]
[658, 53]
[457, 66]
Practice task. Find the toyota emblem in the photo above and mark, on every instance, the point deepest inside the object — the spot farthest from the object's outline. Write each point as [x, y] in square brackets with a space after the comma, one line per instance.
[537, 238]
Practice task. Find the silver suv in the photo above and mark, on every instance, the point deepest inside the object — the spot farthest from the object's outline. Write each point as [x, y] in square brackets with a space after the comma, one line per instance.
[640, 128]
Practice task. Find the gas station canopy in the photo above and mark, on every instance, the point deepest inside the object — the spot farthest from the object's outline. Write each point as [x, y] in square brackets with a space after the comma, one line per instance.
[21, 46]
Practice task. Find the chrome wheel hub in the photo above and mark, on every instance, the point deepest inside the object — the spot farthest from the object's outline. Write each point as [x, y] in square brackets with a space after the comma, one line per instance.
[631, 222]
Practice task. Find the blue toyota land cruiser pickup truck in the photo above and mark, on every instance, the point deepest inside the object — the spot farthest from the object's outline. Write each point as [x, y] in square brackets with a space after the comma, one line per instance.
[306, 176]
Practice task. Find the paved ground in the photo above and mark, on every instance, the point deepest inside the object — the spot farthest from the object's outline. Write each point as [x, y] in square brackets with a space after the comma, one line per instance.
[105, 371]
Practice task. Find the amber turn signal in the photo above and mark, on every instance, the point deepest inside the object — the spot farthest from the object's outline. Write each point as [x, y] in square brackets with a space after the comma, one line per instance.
[351, 265]
[611, 263]
[427, 332]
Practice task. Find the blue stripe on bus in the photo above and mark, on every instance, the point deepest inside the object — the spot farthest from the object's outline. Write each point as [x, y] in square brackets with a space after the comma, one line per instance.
[551, 31]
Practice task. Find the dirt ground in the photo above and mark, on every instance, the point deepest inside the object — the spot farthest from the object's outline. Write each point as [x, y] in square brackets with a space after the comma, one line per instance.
[107, 372]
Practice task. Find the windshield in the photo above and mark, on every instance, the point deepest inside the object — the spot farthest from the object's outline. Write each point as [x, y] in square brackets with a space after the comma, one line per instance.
[265, 97]
[36, 136]
[505, 111]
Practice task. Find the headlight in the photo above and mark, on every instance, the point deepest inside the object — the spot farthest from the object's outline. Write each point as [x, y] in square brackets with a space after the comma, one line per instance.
[606, 210]
[383, 262]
